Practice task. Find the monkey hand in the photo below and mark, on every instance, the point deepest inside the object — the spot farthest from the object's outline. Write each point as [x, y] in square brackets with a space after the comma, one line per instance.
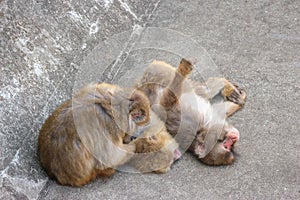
[185, 67]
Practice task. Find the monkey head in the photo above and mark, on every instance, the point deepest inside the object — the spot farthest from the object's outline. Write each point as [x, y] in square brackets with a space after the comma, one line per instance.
[139, 107]
[219, 141]
[130, 108]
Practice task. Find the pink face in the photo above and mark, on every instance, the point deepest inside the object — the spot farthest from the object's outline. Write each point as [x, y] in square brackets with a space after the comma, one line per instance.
[231, 138]
[139, 107]
[222, 151]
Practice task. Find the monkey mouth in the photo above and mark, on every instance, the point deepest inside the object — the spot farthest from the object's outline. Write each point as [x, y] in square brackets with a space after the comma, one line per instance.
[228, 145]
[138, 116]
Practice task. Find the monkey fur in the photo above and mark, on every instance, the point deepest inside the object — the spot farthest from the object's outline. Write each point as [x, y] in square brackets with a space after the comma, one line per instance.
[84, 137]
[156, 149]
[193, 112]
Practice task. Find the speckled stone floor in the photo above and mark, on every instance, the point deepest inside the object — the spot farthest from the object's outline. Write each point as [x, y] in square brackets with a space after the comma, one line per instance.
[253, 43]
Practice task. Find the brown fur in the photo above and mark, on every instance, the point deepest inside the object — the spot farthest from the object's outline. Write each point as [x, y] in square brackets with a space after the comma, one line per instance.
[214, 138]
[189, 125]
[83, 138]
[155, 147]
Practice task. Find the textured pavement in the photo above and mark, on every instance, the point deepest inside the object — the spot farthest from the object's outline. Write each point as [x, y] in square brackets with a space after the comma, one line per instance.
[44, 49]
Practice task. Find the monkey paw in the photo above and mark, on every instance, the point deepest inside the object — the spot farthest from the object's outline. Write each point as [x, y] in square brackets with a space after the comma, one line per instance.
[186, 66]
[233, 93]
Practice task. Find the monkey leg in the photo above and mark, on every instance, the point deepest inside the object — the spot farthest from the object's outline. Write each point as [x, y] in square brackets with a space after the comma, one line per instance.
[231, 105]
[226, 108]
[173, 91]
[231, 108]
[229, 91]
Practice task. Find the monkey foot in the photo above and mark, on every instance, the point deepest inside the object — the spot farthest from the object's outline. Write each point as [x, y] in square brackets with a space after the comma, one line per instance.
[232, 92]
[186, 66]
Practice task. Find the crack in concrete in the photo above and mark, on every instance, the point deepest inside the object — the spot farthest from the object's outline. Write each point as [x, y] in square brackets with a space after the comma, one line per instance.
[124, 4]
[43, 184]
[137, 31]
[16, 157]
[113, 70]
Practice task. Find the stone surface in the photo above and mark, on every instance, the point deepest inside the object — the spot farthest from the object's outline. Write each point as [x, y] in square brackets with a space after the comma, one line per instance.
[45, 44]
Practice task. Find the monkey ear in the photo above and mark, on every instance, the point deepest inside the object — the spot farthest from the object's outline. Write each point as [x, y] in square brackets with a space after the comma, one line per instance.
[199, 149]
[207, 140]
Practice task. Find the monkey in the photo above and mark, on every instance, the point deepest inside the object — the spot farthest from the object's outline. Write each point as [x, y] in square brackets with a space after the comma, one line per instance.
[84, 137]
[218, 138]
[155, 147]
[194, 113]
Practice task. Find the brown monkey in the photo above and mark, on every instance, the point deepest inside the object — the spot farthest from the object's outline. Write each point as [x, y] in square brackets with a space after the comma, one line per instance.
[193, 112]
[83, 137]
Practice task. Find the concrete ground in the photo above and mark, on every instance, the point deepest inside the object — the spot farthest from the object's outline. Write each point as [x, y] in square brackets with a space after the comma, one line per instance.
[45, 44]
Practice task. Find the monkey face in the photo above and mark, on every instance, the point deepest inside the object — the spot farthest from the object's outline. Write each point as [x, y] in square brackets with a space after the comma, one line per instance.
[222, 152]
[139, 108]
[129, 106]
[219, 145]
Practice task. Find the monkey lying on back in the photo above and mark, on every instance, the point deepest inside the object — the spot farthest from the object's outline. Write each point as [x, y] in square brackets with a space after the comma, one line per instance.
[153, 144]
[84, 137]
[193, 112]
